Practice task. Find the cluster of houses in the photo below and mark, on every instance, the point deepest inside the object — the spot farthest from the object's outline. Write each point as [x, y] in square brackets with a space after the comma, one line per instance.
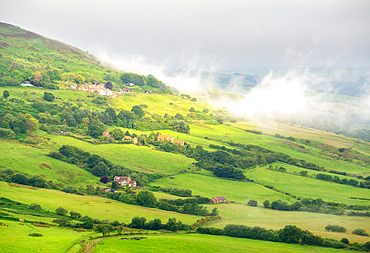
[123, 181]
[160, 138]
[126, 138]
[171, 139]
[99, 89]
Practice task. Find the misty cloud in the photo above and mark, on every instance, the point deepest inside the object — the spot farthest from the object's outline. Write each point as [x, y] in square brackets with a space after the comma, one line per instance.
[234, 34]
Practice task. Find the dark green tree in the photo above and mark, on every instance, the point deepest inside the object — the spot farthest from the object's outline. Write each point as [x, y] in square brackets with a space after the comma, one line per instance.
[291, 234]
[117, 134]
[138, 222]
[94, 131]
[6, 94]
[61, 211]
[48, 96]
[138, 111]
[109, 85]
[146, 198]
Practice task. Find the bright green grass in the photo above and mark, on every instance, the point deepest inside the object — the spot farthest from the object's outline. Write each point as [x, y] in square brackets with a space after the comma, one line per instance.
[273, 219]
[309, 188]
[202, 243]
[131, 156]
[70, 95]
[14, 238]
[27, 159]
[294, 169]
[163, 195]
[210, 186]
[93, 206]
[159, 104]
[225, 134]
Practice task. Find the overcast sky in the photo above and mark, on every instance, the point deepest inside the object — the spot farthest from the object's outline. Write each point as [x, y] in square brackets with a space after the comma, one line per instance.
[231, 35]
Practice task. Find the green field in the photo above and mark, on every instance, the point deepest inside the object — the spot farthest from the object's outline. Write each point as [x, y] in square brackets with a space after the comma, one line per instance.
[272, 219]
[133, 157]
[211, 186]
[305, 187]
[32, 161]
[93, 206]
[202, 243]
[14, 238]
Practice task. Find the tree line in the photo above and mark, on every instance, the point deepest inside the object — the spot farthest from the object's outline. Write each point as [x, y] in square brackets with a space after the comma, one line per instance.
[288, 234]
[98, 165]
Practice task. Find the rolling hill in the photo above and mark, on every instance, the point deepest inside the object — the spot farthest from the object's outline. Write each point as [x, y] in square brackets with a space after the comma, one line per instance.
[62, 147]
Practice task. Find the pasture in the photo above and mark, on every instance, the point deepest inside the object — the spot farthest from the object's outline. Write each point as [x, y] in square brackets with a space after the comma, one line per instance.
[202, 243]
[211, 186]
[93, 206]
[305, 187]
[273, 219]
[14, 238]
[133, 157]
[33, 161]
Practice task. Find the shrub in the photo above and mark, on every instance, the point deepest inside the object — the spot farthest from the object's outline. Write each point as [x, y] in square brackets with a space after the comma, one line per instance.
[336, 228]
[61, 211]
[48, 96]
[252, 202]
[35, 235]
[35, 206]
[345, 241]
[6, 133]
[360, 231]
[266, 203]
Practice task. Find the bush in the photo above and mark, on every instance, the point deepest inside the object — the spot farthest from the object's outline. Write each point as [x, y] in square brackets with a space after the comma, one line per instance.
[6, 133]
[336, 228]
[35, 235]
[48, 96]
[360, 231]
[345, 241]
[252, 202]
[61, 211]
[35, 206]
[266, 203]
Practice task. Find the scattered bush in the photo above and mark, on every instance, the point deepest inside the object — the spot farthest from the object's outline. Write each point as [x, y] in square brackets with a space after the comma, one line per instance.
[35, 235]
[336, 228]
[252, 202]
[35, 206]
[61, 211]
[360, 231]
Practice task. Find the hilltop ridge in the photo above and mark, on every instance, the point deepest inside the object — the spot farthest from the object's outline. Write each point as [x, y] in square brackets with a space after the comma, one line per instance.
[28, 56]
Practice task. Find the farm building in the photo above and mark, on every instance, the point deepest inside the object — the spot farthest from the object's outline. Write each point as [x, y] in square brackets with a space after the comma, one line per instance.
[165, 138]
[217, 200]
[125, 181]
[181, 142]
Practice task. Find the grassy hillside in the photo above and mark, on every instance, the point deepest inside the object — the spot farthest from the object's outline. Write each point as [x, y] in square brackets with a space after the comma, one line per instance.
[14, 238]
[33, 161]
[27, 56]
[93, 206]
[271, 219]
[202, 243]
[31, 128]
